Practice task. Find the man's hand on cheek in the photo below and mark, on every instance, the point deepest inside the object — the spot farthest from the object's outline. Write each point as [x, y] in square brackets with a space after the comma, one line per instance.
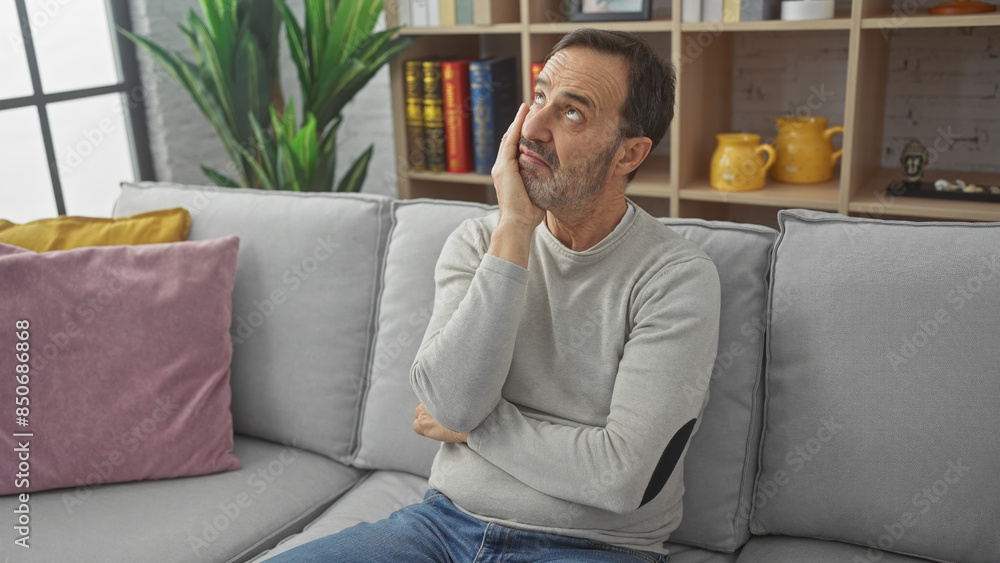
[515, 206]
[425, 425]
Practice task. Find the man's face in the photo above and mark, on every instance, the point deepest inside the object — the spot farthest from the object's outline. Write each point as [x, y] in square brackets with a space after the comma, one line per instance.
[570, 137]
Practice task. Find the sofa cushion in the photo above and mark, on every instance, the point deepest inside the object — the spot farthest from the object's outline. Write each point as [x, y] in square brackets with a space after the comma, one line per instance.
[722, 458]
[420, 228]
[306, 282]
[69, 231]
[222, 517]
[883, 394]
[123, 369]
[775, 549]
[383, 492]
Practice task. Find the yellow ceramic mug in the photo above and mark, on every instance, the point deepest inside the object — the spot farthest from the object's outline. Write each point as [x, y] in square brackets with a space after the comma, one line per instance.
[738, 163]
[805, 152]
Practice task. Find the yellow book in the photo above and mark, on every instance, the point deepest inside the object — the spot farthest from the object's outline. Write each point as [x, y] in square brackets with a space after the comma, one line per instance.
[731, 11]
[448, 13]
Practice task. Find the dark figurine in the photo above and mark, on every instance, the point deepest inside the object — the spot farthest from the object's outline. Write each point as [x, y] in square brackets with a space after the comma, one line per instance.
[914, 160]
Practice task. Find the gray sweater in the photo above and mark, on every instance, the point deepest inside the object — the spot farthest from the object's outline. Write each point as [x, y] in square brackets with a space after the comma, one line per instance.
[576, 379]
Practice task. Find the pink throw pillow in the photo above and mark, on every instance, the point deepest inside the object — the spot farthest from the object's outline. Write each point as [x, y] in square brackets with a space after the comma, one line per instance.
[127, 357]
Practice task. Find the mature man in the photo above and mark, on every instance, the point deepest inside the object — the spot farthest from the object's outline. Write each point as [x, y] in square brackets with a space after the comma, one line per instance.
[565, 330]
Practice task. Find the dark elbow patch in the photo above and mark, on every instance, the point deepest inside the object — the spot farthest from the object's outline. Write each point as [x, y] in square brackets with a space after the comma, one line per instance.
[671, 454]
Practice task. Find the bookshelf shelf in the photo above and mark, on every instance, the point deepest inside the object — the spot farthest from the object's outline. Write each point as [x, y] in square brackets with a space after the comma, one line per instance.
[639, 27]
[706, 88]
[495, 29]
[841, 21]
[903, 21]
[823, 196]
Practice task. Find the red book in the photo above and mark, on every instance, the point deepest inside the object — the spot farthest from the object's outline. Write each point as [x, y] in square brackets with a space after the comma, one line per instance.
[535, 69]
[457, 115]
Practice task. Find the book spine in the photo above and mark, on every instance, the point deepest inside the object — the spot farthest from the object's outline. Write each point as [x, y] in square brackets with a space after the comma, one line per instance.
[535, 69]
[503, 84]
[711, 10]
[457, 116]
[731, 11]
[433, 13]
[464, 12]
[482, 12]
[482, 116]
[414, 74]
[418, 13]
[433, 117]
[691, 11]
[447, 10]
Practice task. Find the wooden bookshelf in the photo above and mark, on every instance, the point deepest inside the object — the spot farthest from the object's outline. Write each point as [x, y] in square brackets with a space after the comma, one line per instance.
[704, 101]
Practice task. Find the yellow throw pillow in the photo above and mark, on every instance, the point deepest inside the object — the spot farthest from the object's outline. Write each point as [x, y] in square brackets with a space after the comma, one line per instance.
[66, 232]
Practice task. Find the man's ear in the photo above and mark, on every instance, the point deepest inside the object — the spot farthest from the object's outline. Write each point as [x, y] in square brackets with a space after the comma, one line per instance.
[633, 151]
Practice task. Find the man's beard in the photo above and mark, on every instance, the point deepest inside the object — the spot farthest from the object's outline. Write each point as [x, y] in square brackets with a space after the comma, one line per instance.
[564, 187]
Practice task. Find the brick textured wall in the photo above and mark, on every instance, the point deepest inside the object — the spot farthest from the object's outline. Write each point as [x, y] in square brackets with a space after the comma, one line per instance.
[182, 140]
[943, 89]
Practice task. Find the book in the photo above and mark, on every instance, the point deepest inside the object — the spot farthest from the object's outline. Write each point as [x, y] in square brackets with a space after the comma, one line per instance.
[446, 9]
[464, 12]
[711, 10]
[433, 13]
[691, 11]
[535, 69]
[494, 105]
[419, 12]
[413, 72]
[433, 116]
[750, 10]
[457, 116]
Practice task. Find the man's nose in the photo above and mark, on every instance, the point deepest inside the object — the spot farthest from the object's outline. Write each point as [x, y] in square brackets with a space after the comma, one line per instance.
[536, 124]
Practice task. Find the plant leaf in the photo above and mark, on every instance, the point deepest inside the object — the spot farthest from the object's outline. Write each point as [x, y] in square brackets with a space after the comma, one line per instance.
[219, 178]
[355, 177]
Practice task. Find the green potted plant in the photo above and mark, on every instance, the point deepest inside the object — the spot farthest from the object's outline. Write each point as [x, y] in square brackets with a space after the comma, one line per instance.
[234, 81]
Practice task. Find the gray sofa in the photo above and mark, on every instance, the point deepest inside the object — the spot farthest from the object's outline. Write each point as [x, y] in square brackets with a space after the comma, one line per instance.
[853, 415]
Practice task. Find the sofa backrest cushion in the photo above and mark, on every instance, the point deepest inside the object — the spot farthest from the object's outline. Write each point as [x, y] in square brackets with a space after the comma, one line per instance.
[722, 458]
[307, 277]
[882, 386]
[420, 228]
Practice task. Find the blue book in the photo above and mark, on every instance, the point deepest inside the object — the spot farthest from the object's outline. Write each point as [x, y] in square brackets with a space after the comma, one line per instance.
[494, 105]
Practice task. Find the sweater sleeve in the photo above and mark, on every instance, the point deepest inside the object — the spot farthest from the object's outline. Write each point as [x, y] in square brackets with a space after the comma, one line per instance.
[655, 404]
[463, 360]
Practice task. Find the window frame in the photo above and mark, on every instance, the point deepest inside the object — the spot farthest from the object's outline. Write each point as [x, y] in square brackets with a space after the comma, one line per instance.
[129, 84]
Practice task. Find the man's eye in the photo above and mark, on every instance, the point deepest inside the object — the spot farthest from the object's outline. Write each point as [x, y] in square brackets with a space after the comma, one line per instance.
[573, 114]
[539, 98]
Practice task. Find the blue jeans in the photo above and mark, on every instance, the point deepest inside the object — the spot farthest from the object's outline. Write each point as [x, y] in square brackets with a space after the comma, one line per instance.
[435, 531]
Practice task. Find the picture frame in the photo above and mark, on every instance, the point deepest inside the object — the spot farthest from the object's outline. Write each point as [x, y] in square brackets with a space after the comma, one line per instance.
[609, 10]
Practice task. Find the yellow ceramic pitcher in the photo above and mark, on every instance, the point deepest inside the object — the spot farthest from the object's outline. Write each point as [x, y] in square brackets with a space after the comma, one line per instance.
[805, 152]
[738, 163]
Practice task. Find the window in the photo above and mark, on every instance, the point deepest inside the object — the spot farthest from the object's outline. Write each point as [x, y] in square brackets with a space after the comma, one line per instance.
[72, 124]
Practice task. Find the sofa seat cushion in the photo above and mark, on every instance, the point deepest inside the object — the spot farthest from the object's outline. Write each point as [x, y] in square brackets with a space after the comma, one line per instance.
[381, 493]
[307, 278]
[222, 517]
[883, 393]
[780, 549]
